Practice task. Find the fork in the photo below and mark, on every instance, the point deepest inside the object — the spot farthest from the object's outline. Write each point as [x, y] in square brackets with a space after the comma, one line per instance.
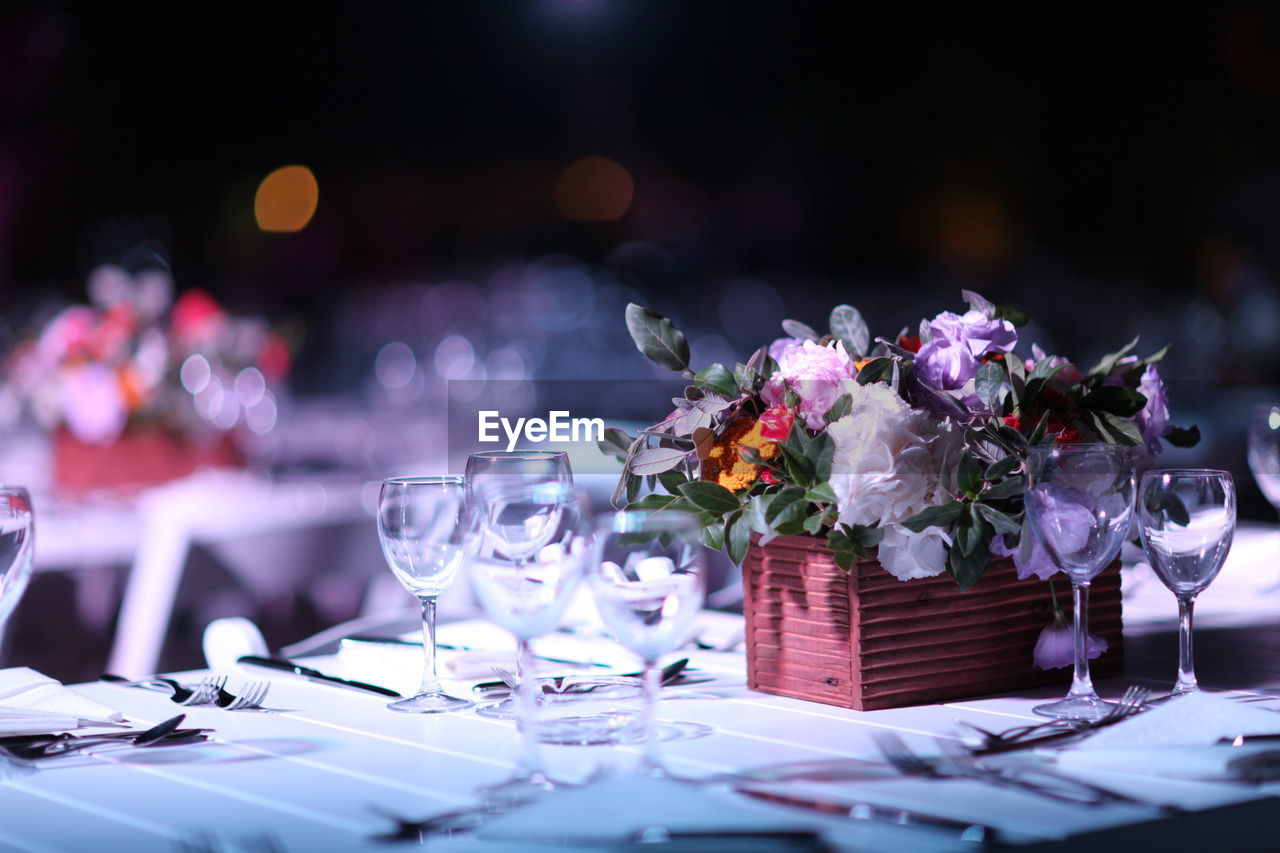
[1130, 702]
[250, 698]
[199, 694]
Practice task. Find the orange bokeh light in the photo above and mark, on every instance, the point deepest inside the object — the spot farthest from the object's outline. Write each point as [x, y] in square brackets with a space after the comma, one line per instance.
[286, 199]
[593, 189]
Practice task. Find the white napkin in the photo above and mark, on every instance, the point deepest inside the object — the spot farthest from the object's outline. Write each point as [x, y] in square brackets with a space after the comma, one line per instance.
[1177, 740]
[31, 703]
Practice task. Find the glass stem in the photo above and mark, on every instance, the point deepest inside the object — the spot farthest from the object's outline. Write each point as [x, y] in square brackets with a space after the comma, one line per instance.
[1081, 683]
[1186, 669]
[530, 760]
[430, 683]
[650, 759]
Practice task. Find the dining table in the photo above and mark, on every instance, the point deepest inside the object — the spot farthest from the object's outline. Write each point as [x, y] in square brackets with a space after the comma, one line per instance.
[322, 767]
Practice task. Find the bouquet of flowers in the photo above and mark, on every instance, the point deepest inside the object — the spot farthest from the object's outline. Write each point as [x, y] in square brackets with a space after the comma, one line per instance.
[134, 355]
[913, 444]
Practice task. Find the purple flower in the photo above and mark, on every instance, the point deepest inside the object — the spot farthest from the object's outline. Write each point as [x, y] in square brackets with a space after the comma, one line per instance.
[1056, 646]
[957, 343]
[1038, 564]
[1153, 420]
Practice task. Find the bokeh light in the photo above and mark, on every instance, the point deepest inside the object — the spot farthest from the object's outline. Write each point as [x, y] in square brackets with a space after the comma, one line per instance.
[286, 199]
[593, 189]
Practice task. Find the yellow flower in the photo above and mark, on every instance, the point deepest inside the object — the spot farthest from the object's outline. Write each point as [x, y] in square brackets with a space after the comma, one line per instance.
[724, 463]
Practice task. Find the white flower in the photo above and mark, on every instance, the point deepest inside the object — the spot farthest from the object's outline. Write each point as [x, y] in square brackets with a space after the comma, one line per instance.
[907, 555]
[882, 470]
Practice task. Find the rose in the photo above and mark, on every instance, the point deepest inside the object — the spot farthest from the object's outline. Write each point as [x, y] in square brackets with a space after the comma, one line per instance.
[908, 555]
[775, 423]
[817, 375]
[782, 346]
[957, 342]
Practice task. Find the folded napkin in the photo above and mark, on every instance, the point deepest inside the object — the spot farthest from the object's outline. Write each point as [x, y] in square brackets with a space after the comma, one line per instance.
[1180, 739]
[31, 703]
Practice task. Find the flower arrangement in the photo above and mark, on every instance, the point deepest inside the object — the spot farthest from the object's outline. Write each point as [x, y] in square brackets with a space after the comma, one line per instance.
[136, 356]
[914, 445]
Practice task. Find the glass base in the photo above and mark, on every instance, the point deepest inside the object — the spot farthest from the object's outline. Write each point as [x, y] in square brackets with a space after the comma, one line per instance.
[504, 710]
[430, 703]
[1076, 708]
[518, 790]
[1174, 694]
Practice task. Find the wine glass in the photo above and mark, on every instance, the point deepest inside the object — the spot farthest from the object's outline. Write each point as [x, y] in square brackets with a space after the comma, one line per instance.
[1188, 517]
[1264, 451]
[17, 544]
[648, 575]
[426, 538]
[525, 590]
[514, 528]
[1079, 500]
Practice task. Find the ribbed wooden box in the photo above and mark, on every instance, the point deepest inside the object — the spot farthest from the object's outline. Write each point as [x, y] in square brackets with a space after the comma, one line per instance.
[867, 640]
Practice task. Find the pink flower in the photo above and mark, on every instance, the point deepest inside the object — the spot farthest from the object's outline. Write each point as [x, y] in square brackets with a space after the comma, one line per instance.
[1056, 646]
[93, 406]
[818, 375]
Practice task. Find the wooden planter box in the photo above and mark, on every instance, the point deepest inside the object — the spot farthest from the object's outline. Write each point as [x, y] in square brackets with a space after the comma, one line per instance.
[140, 456]
[868, 641]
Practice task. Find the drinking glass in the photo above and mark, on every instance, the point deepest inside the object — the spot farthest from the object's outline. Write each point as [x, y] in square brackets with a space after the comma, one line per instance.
[648, 575]
[17, 543]
[525, 590]
[1264, 451]
[426, 538]
[1079, 500]
[1188, 517]
[515, 528]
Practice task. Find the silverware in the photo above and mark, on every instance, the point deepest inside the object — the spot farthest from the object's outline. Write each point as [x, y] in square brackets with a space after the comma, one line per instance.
[316, 675]
[250, 698]
[670, 673]
[200, 694]
[150, 737]
[1131, 702]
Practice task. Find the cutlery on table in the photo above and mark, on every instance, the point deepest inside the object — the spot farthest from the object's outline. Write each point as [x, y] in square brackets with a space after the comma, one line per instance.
[203, 693]
[153, 736]
[316, 675]
[1131, 702]
[670, 673]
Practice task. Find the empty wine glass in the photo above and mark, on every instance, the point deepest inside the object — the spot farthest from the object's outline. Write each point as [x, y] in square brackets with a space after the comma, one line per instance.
[648, 575]
[1264, 451]
[426, 537]
[1079, 500]
[1188, 517]
[525, 590]
[17, 544]
[514, 528]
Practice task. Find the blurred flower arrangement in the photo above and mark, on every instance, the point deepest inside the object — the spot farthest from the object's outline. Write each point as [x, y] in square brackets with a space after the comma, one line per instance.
[913, 444]
[135, 356]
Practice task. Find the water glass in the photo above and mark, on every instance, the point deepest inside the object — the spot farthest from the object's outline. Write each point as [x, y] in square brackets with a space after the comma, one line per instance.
[427, 538]
[1079, 500]
[648, 576]
[1264, 451]
[17, 545]
[1188, 518]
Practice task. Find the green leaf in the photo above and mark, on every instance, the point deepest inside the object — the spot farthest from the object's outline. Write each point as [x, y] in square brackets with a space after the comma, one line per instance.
[718, 378]
[799, 468]
[1124, 431]
[1001, 522]
[935, 516]
[737, 537]
[672, 480]
[655, 460]
[712, 497]
[1002, 468]
[968, 475]
[1104, 366]
[713, 535]
[1037, 434]
[876, 370]
[821, 494]
[615, 443]
[744, 376]
[1045, 370]
[633, 484]
[967, 569]
[790, 521]
[979, 303]
[1115, 399]
[796, 329]
[988, 384]
[841, 407]
[1012, 313]
[781, 502]
[814, 523]
[1010, 488]
[657, 338]
[1179, 437]
[660, 503]
[848, 326]
[1157, 356]
[821, 452]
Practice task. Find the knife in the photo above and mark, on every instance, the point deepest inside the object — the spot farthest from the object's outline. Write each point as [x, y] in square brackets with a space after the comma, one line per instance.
[316, 675]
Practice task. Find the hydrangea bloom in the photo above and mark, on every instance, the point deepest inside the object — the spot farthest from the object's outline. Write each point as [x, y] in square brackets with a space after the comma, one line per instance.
[818, 375]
